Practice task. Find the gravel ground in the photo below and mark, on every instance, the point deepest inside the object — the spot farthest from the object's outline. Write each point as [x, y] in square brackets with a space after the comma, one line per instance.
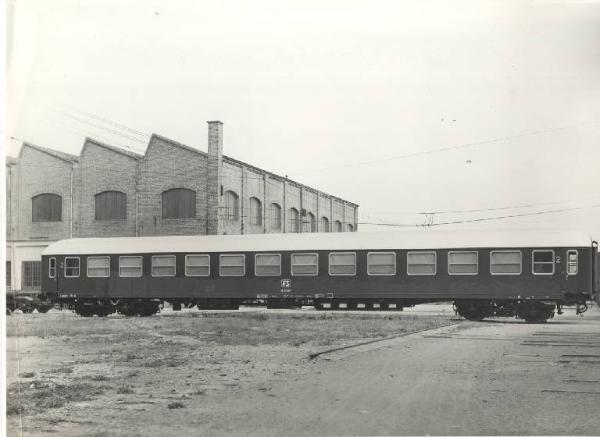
[170, 374]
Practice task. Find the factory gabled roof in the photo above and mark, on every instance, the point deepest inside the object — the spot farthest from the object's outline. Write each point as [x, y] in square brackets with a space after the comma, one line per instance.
[111, 148]
[175, 143]
[55, 153]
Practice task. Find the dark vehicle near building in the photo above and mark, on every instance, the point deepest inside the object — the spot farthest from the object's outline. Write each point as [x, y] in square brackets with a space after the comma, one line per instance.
[27, 302]
[487, 273]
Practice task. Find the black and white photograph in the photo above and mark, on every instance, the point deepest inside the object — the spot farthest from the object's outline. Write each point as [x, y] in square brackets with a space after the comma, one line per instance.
[300, 218]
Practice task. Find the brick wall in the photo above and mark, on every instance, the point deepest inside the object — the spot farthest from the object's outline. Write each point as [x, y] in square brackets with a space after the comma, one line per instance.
[337, 214]
[102, 169]
[214, 175]
[274, 194]
[38, 173]
[8, 200]
[309, 204]
[292, 200]
[324, 211]
[168, 165]
[165, 165]
[232, 181]
[254, 186]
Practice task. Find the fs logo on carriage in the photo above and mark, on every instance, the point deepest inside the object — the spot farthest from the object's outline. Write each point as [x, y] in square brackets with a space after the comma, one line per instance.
[286, 285]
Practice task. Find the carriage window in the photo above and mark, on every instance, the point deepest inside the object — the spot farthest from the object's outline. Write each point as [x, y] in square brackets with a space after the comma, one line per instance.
[98, 266]
[197, 265]
[232, 265]
[421, 263]
[342, 264]
[572, 262]
[267, 264]
[381, 263]
[163, 265]
[130, 266]
[543, 262]
[71, 267]
[305, 264]
[52, 267]
[462, 263]
[505, 262]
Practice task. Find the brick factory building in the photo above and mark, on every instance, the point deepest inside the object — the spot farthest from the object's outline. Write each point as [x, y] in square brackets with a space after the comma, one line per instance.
[172, 189]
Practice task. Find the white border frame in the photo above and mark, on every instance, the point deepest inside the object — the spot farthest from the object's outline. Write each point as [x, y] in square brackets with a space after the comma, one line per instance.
[303, 253]
[507, 251]
[422, 274]
[450, 252]
[55, 266]
[185, 265]
[341, 253]
[576, 265]
[383, 274]
[141, 266]
[163, 256]
[243, 255]
[78, 268]
[542, 262]
[87, 266]
[270, 254]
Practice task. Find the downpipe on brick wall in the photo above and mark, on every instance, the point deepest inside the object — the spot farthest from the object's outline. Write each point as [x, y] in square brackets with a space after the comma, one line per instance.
[71, 220]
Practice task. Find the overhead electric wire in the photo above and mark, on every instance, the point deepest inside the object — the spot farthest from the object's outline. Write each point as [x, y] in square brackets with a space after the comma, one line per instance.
[104, 120]
[461, 211]
[483, 219]
[448, 148]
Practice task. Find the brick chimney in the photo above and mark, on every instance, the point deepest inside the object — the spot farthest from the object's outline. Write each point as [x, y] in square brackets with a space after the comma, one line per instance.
[214, 176]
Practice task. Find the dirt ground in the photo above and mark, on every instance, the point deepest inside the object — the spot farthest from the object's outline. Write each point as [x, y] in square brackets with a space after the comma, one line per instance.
[170, 374]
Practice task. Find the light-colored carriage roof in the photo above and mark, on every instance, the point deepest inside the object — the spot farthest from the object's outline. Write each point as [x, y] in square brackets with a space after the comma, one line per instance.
[421, 239]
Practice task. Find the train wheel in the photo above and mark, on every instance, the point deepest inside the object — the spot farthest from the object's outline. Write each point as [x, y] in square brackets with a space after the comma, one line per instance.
[147, 309]
[535, 312]
[104, 310]
[84, 310]
[474, 311]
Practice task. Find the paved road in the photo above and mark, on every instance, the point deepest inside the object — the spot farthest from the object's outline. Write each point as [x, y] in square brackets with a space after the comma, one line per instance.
[499, 377]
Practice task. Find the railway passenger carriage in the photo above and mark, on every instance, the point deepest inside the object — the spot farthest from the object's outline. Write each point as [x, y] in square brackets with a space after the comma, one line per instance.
[527, 274]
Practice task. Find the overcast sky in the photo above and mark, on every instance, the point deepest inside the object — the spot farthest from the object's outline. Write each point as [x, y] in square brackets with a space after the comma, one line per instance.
[351, 86]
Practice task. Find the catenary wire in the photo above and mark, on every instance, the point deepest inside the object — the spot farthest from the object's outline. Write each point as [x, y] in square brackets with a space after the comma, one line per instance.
[448, 148]
[483, 219]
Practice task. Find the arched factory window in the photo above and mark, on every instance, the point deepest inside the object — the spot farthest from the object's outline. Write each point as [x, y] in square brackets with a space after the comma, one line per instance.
[179, 203]
[111, 205]
[46, 207]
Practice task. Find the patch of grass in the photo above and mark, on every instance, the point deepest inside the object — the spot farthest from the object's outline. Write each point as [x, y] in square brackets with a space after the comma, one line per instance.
[99, 378]
[62, 369]
[26, 374]
[41, 396]
[13, 409]
[164, 362]
[130, 356]
[175, 405]
[125, 390]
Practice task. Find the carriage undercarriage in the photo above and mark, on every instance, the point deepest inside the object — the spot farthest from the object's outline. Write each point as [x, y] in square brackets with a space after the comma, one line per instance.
[530, 310]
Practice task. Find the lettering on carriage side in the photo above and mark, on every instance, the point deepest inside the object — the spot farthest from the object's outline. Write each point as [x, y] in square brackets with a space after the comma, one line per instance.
[558, 260]
[286, 285]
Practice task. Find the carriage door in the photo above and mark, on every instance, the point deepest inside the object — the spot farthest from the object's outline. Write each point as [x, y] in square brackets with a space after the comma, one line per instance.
[569, 267]
[98, 268]
[52, 273]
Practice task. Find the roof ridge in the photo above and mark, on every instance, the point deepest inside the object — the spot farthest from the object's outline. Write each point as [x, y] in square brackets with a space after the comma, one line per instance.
[270, 173]
[52, 152]
[113, 148]
[178, 144]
